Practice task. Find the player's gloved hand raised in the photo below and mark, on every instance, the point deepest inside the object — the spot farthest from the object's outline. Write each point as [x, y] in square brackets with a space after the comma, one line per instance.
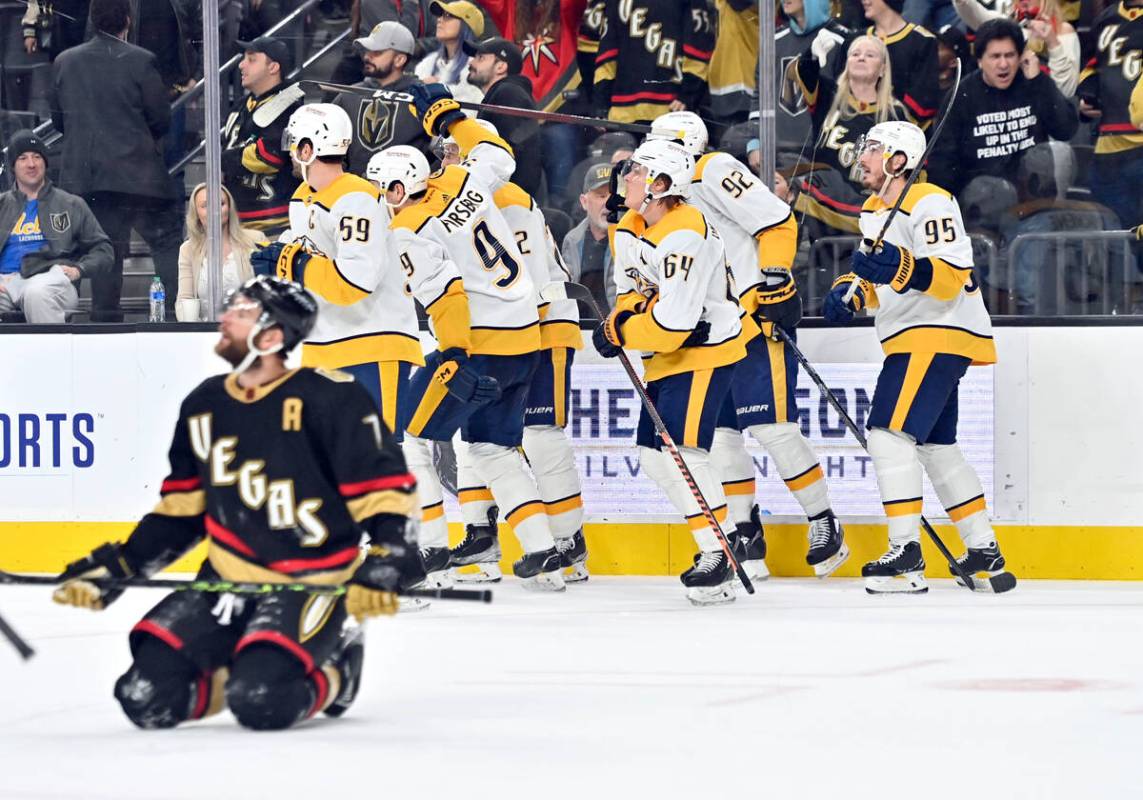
[434, 106]
[84, 582]
[887, 264]
[373, 589]
[608, 334]
[835, 309]
[285, 261]
[462, 381]
[698, 336]
[779, 304]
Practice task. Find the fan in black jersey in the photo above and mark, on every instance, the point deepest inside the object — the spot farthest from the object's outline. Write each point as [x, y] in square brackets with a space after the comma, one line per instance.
[913, 53]
[282, 471]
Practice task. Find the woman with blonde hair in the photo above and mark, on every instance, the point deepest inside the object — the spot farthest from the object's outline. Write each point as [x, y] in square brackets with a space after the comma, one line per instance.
[237, 244]
[842, 113]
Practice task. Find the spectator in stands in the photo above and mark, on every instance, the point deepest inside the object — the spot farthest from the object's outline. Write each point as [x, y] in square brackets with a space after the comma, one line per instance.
[932, 14]
[587, 49]
[495, 68]
[913, 54]
[378, 124]
[1047, 33]
[803, 22]
[255, 168]
[25, 82]
[237, 245]
[112, 107]
[952, 46]
[261, 15]
[585, 248]
[366, 15]
[1008, 106]
[458, 23]
[633, 80]
[610, 147]
[842, 113]
[54, 240]
[54, 26]
[1104, 95]
[733, 75]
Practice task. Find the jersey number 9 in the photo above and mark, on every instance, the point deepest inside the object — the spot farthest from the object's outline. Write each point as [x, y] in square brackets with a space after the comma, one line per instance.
[493, 254]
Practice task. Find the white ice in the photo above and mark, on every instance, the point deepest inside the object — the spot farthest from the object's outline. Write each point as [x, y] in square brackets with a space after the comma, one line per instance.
[620, 689]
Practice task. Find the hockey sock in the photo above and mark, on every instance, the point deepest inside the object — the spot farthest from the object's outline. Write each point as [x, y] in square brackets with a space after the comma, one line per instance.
[472, 492]
[735, 469]
[661, 468]
[797, 463]
[899, 478]
[553, 464]
[960, 491]
[419, 457]
[502, 469]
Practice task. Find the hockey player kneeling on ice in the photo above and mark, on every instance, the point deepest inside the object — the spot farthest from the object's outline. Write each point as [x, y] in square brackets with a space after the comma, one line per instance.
[463, 265]
[932, 324]
[675, 301]
[761, 239]
[282, 471]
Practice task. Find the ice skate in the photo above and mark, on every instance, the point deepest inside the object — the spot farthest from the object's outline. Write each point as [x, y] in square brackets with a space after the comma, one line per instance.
[480, 548]
[348, 661]
[710, 581]
[748, 543]
[540, 571]
[573, 557]
[986, 566]
[902, 569]
[828, 550]
[437, 575]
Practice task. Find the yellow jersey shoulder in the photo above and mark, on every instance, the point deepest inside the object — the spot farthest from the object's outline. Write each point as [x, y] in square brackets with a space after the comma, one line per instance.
[701, 165]
[512, 195]
[917, 193]
[346, 184]
[683, 217]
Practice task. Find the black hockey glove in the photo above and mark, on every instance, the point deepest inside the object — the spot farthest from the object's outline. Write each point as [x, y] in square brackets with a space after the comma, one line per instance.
[608, 334]
[84, 581]
[388, 568]
[615, 200]
[779, 303]
[698, 336]
[434, 106]
[462, 381]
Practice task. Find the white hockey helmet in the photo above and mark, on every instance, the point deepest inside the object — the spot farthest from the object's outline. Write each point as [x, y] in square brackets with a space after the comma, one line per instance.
[401, 164]
[896, 137]
[446, 145]
[681, 126]
[325, 126]
[663, 158]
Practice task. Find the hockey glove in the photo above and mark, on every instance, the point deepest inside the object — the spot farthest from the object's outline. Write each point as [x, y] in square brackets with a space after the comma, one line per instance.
[373, 589]
[835, 309]
[615, 204]
[462, 381]
[608, 335]
[698, 336]
[888, 264]
[779, 303]
[285, 261]
[84, 581]
[435, 107]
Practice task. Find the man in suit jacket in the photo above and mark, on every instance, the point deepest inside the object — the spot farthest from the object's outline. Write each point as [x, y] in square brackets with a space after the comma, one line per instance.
[113, 108]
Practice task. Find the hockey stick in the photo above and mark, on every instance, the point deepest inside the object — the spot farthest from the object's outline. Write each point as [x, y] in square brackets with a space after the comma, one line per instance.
[574, 291]
[23, 648]
[912, 179]
[390, 96]
[997, 584]
[245, 588]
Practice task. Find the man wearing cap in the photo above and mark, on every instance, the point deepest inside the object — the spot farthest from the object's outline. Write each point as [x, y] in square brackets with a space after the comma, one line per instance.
[585, 248]
[494, 66]
[254, 167]
[51, 241]
[378, 124]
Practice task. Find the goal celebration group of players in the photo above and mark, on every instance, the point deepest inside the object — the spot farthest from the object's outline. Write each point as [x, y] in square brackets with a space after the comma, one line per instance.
[286, 472]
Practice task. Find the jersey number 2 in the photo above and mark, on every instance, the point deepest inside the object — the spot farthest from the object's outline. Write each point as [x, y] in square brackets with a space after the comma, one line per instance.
[493, 254]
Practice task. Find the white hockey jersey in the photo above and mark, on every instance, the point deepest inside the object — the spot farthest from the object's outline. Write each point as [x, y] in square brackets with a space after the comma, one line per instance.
[559, 321]
[364, 313]
[460, 255]
[674, 273]
[757, 228]
[948, 316]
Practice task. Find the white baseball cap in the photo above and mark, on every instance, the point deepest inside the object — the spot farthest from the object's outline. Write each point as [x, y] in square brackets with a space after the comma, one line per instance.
[388, 35]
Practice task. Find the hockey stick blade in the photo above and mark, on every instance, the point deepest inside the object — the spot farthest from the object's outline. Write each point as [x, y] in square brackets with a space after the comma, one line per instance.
[272, 109]
[995, 584]
[23, 648]
[558, 290]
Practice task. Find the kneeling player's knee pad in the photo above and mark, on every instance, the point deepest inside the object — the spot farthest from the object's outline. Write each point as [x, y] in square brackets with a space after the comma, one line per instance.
[156, 692]
[268, 689]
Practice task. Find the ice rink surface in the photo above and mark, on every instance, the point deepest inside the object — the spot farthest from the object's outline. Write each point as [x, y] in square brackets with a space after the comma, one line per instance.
[620, 689]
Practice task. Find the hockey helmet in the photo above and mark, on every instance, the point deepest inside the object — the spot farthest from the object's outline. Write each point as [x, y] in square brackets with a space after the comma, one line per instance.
[663, 159]
[325, 126]
[685, 127]
[444, 146]
[984, 202]
[896, 137]
[401, 164]
[1046, 170]
[284, 304]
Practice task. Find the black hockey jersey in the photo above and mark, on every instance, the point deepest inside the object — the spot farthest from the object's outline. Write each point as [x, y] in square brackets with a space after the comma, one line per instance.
[652, 53]
[255, 168]
[913, 58]
[1111, 74]
[282, 480]
[378, 124]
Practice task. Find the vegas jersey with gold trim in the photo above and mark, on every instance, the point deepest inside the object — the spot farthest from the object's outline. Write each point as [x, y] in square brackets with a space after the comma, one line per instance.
[949, 316]
[365, 313]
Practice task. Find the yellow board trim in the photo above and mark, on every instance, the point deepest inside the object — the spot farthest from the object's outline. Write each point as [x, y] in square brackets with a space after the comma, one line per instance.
[1056, 552]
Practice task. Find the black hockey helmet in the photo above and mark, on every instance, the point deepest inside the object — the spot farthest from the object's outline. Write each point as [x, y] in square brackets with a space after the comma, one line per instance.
[285, 304]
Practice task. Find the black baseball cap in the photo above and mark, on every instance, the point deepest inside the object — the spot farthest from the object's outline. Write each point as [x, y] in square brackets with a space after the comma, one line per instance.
[275, 50]
[506, 51]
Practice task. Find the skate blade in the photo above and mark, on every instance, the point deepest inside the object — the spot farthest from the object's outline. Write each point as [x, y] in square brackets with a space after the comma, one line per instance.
[909, 583]
[544, 582]
[991, 583]
[441, 579]
[412, 605]
[485, 573]
[712, 595]
[824, 569]
[576, 573]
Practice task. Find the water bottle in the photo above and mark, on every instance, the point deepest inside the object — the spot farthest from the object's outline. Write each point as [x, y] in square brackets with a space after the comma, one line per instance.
[158, 301]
